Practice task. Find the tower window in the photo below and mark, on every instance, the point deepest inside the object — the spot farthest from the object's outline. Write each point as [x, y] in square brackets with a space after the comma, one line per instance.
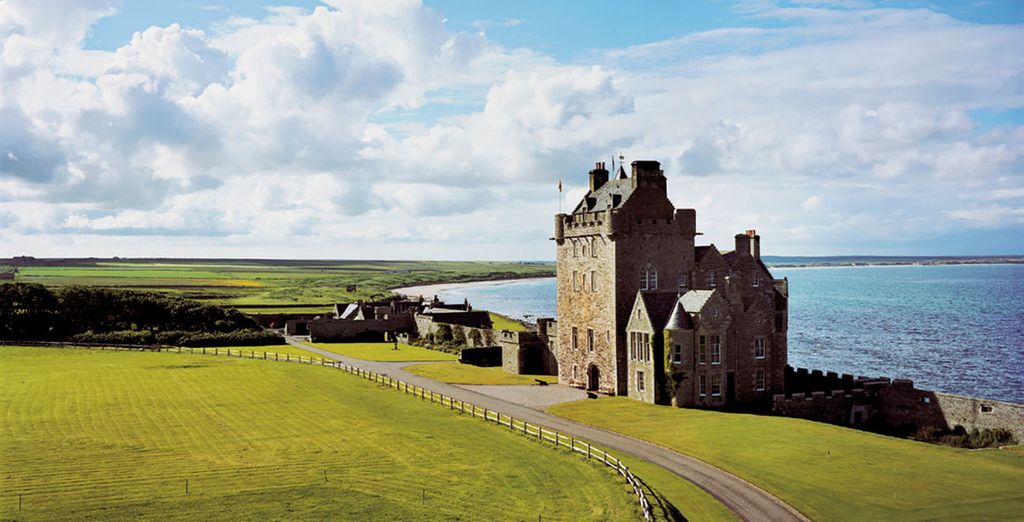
[759, 348]
[677, 354]
[759, 380]
[593, 285]
[756, 280]
[682, 282]
[575, 282]
[575, 338]
[712, 280]
[590, 339]
[649, 278]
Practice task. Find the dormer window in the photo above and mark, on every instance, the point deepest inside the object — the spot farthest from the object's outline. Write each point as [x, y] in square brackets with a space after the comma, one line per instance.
[648, 278]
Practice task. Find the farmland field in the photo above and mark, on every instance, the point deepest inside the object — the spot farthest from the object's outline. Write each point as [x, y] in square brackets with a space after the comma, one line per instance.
[258, 286]
[827, 472]
[115, 435]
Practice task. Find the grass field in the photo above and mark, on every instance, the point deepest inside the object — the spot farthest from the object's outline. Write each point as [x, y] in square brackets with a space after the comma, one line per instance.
[272, 286]
[458, 373]
[386, 352]
[281, 349]
[828, 472]
[500, 322]
[115, 435]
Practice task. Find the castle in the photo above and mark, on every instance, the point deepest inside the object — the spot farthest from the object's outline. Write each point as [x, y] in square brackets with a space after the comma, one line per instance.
[644, 312]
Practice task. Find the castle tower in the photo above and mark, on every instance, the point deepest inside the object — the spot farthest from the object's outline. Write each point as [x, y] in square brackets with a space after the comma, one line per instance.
[625, 236]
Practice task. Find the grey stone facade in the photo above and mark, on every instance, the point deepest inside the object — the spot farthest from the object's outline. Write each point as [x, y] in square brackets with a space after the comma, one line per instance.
[626, 259]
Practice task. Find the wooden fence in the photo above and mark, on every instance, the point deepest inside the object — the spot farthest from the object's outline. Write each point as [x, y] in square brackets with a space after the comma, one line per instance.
[540, 433]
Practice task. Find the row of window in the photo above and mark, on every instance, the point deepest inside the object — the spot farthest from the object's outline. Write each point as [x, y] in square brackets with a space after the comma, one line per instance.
[587, 249]
[716, 350]
[590, 339]
[649, 279]
[716, 384]
[579, 283]
[639, 346]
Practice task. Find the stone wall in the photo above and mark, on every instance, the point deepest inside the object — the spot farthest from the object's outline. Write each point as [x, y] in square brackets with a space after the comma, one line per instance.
[893, 404]
[526, 353]
[370, 329]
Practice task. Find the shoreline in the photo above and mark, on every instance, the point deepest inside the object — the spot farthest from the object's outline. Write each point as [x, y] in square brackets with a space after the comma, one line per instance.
[430, 290]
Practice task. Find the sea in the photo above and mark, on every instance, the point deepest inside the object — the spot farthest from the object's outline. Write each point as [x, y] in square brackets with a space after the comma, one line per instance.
[951, 328]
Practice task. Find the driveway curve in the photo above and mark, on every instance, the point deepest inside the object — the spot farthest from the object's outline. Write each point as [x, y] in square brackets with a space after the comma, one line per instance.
[747, 501]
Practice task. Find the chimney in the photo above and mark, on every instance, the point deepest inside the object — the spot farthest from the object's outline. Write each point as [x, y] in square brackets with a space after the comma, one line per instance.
[648, 174]
[598, 176]
[755, 243]
[742, 245]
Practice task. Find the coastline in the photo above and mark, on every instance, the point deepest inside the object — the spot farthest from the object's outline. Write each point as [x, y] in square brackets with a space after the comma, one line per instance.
[433, 289]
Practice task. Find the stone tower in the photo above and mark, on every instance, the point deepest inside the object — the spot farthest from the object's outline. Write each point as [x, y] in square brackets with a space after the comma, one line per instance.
[625, 236]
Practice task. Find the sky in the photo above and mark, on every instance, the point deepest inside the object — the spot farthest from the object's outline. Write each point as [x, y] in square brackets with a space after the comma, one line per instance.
[395, 129]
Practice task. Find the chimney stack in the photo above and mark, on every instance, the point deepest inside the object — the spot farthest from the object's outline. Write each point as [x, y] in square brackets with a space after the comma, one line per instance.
[598, 176]
[748, 244]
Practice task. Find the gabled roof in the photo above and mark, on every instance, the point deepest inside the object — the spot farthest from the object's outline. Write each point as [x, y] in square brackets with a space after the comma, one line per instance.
[731, 257]
[612, 194]
[659, 305]
[694, 300]
[680, 319]
[699, 253]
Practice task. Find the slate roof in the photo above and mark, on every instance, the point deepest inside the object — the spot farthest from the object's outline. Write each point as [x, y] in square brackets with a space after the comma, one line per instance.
[659, 305]
[680, 319]
[694, 300]
[701, 251]
[612, 194]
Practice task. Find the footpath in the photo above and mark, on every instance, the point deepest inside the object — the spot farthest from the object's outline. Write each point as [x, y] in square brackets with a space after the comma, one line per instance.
[747, 501]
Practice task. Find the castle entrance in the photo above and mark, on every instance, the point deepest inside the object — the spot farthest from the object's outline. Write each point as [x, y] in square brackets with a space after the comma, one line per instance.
[593, 378]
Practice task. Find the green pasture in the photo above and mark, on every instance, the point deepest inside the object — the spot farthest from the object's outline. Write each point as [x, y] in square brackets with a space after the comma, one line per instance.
[500, 322]
[94, 435]
[827, 472]
[385, 352]
[457, 373]
[315, 284]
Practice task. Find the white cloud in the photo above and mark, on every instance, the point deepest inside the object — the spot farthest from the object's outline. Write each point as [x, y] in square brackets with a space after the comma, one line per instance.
[373, 122]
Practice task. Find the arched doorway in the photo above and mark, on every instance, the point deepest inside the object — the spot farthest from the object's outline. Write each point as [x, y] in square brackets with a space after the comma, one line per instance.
[593, 378]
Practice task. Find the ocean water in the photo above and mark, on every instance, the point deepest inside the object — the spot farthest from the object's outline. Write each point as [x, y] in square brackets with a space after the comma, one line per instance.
[952, 328]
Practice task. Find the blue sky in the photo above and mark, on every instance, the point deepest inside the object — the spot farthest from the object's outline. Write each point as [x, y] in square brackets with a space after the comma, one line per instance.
[395, 129]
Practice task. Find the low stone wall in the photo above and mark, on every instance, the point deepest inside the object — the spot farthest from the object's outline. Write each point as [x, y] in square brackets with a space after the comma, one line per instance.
[345, 330]
[889, 403]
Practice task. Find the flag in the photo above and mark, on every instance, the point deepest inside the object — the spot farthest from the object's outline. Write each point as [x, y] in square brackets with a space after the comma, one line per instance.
[559, 185]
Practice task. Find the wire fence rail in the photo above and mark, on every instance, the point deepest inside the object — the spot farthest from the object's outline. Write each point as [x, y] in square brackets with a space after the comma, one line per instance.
[535, 431]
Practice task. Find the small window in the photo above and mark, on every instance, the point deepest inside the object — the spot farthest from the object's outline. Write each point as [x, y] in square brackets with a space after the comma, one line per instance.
[986, 408]
[677, 354]
[575, 281]
[574, 373]
[759, 348]
[590, 339]
[648, 278]
[926, 400]
[716, 385]
[702, 386]
[682, 282]
[575, 249]
[714, 312]
[702, 350]
[756, 280]
[584, 250]
[575, 338]
[759, 380]
[712, 280]
[593, 285]
[639, 381]
[716, 350]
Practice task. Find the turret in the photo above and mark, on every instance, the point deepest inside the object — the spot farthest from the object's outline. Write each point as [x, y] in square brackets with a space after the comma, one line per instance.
[559, 228]
[598, 176]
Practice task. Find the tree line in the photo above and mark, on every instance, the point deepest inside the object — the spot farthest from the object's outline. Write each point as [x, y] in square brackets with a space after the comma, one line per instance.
[30, 311]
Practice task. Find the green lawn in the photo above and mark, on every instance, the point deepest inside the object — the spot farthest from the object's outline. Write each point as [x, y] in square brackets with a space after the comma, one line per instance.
[458, 373]
[316, 285]
[500, 322]
[684, 498]
[827, 472]
[94, 435]
[385, 352]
